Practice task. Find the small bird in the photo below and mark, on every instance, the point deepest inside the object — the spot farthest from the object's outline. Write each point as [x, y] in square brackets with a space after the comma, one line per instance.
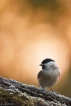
[49, 74]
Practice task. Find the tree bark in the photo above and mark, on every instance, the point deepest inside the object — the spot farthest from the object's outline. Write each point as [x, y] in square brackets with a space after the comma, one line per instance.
[18, 94]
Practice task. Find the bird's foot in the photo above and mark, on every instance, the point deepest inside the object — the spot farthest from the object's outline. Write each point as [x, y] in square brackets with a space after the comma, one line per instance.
[42, 88]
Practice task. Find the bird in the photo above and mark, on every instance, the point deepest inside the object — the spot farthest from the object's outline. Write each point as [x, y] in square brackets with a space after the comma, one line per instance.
[49, 73]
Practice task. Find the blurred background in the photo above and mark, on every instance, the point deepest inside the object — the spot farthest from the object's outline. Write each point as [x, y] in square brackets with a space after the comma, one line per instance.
[30, 31]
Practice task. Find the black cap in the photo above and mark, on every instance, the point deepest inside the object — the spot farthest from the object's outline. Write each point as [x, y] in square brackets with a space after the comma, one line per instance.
[47, 60]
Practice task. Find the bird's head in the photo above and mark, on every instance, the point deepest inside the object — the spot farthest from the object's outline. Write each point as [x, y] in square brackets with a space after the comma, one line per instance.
[48, 63]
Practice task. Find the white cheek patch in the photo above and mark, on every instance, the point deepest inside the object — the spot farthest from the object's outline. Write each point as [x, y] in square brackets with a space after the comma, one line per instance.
[52, 64]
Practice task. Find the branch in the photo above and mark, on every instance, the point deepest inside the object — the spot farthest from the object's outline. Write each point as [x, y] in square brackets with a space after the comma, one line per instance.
[18, 93]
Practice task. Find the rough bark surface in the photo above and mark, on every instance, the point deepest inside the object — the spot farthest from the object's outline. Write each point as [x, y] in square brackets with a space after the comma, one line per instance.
[18, 94]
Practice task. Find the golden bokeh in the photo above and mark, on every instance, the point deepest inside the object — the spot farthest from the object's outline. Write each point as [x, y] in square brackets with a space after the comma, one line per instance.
[31, 31]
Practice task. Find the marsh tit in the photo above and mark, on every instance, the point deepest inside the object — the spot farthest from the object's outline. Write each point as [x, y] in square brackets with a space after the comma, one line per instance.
[49, 73]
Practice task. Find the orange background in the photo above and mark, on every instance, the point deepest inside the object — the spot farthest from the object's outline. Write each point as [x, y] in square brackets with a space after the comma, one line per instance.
[30, 31]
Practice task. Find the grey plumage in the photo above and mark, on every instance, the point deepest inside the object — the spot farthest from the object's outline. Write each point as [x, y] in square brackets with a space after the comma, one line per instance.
[49, 74]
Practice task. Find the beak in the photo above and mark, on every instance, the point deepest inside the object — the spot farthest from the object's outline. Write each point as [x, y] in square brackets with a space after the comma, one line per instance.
[41, 64]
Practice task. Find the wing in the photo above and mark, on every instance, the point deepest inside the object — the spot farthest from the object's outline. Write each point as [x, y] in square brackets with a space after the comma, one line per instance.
[39, 74]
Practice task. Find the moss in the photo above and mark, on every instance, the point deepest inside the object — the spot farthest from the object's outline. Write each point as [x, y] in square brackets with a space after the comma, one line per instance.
[16, 99]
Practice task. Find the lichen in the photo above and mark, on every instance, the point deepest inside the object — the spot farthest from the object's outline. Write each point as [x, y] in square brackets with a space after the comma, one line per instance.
[23, 99]
[14, 98]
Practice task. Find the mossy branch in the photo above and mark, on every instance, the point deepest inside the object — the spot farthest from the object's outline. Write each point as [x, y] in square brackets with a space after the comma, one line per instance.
[28, 95]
